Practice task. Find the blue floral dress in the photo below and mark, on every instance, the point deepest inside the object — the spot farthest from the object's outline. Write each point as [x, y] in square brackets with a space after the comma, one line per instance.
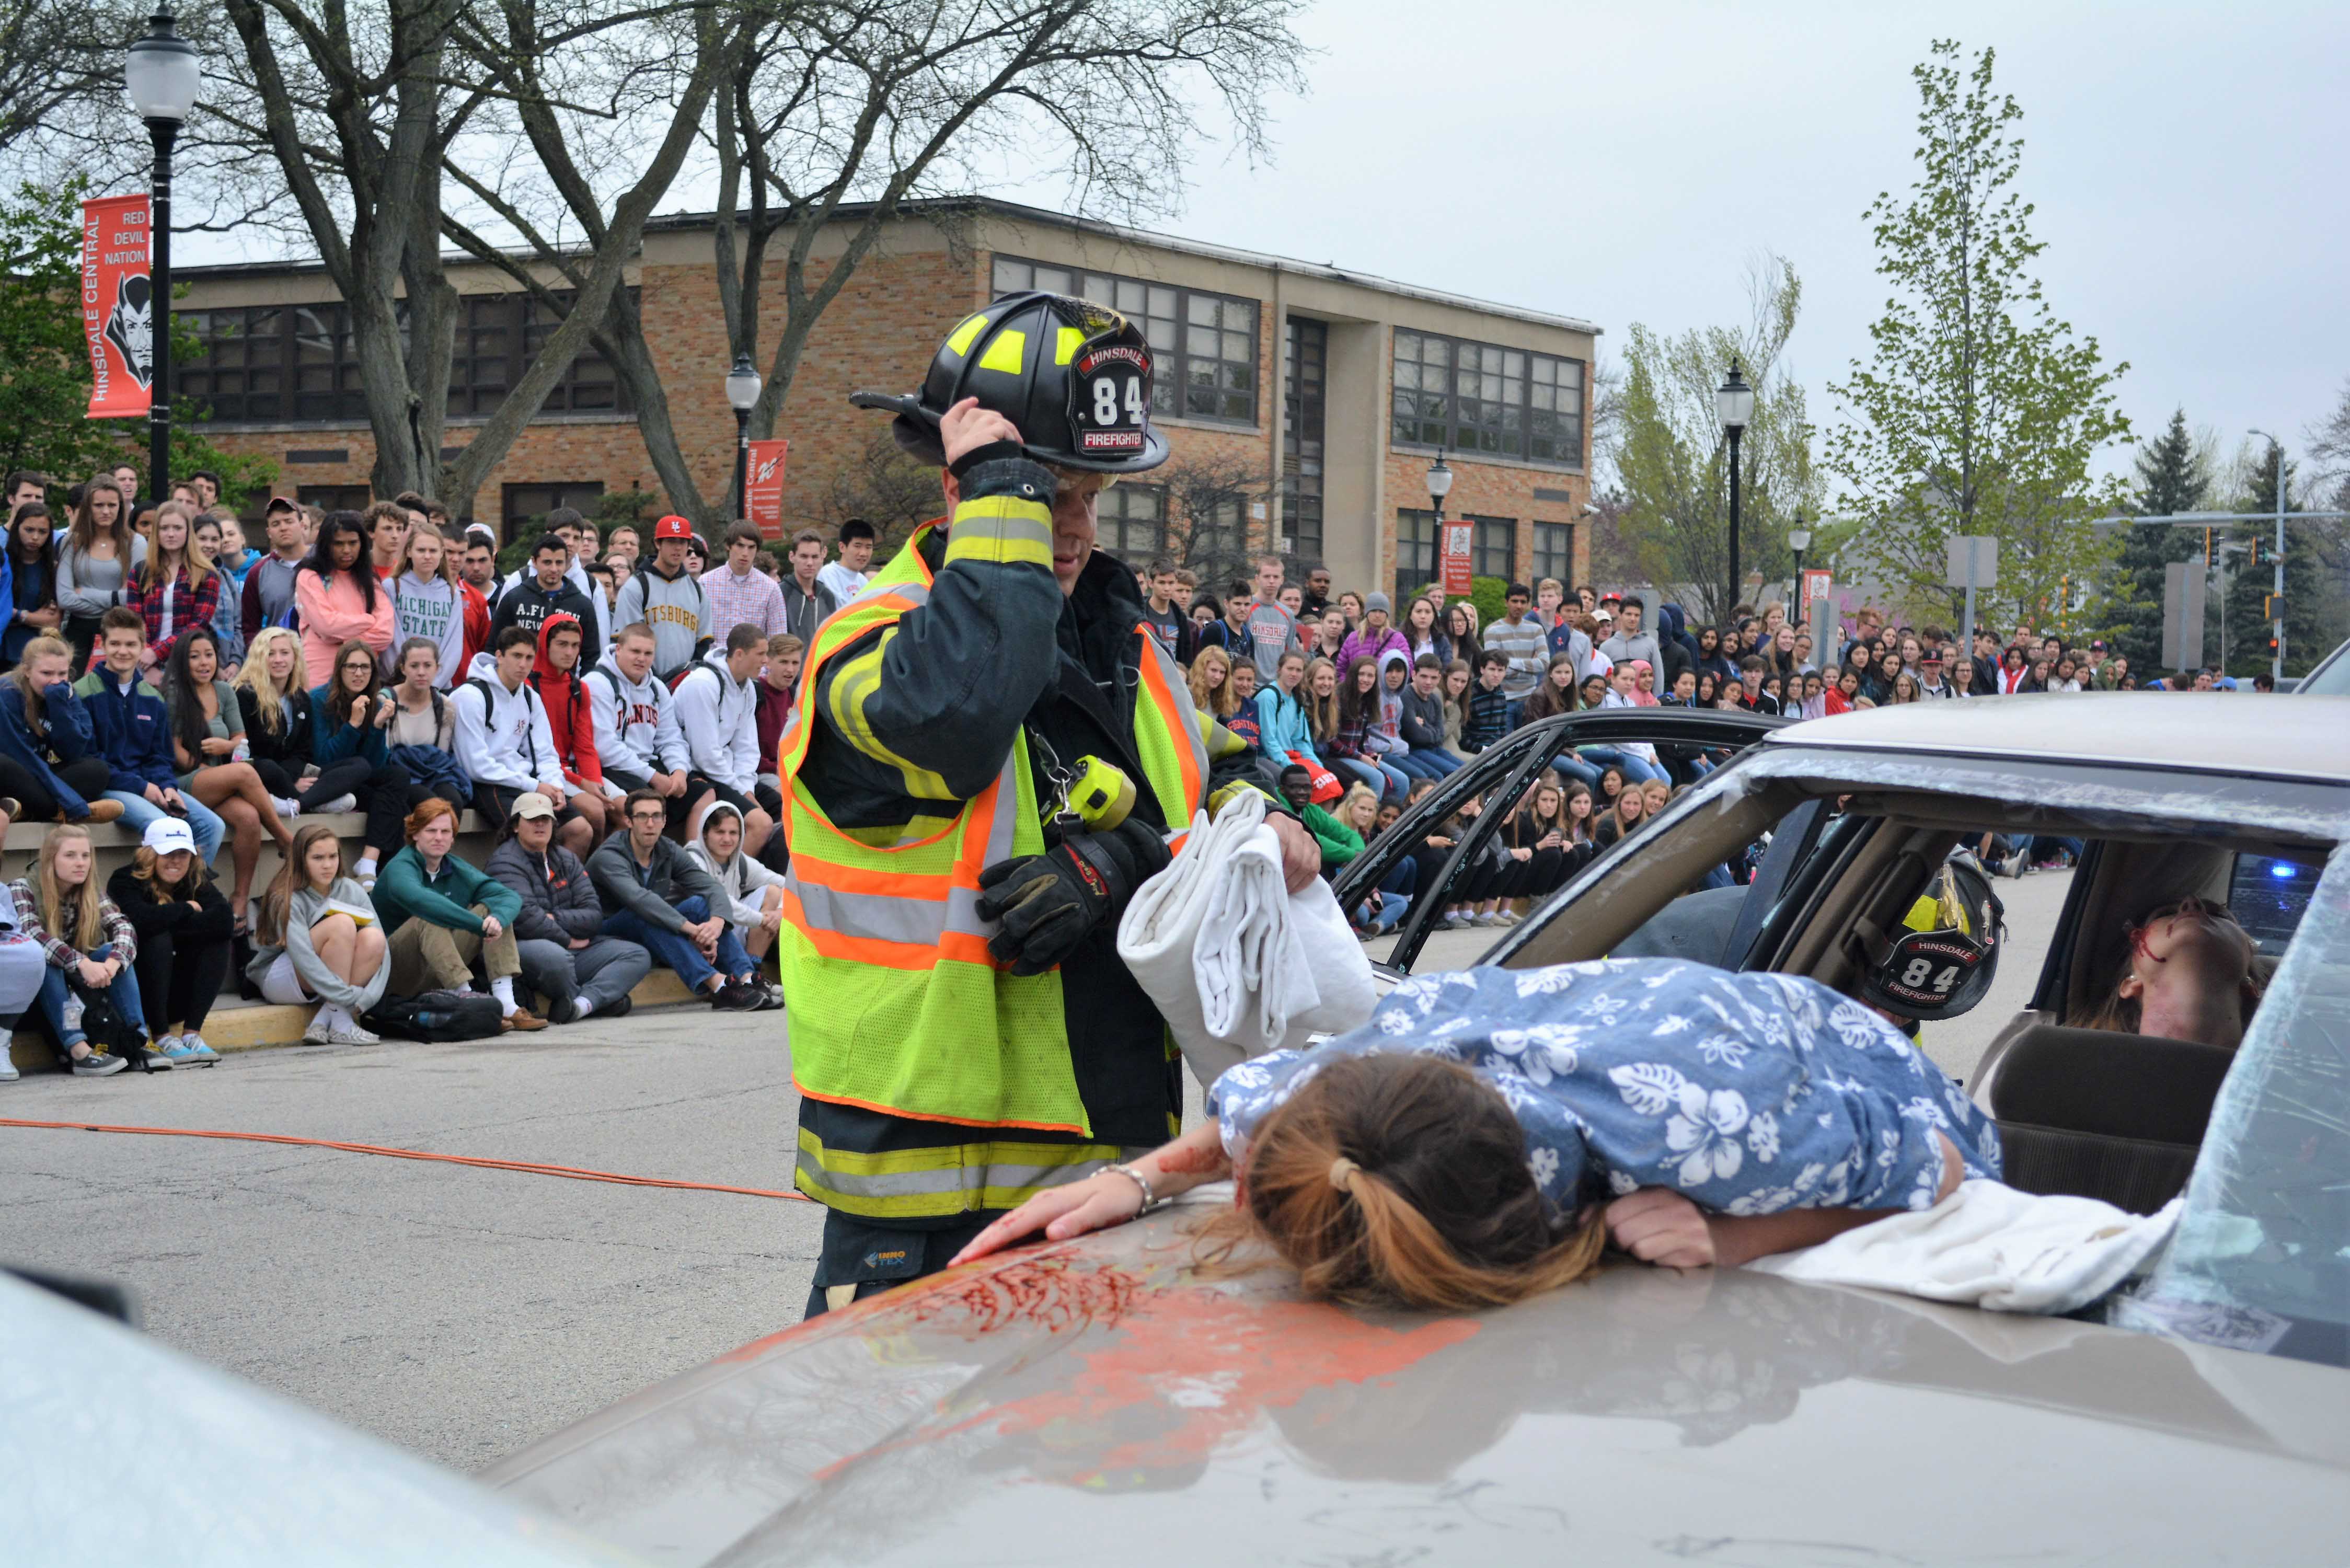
[1747, 1093]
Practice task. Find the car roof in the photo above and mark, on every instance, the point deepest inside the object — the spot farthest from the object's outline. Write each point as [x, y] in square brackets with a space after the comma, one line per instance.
[1100, 1400]
[2221, 731]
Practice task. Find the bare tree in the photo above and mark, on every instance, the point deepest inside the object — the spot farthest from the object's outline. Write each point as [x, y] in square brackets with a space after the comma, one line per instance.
[1208, 501]
[832, 114]
[886, 487]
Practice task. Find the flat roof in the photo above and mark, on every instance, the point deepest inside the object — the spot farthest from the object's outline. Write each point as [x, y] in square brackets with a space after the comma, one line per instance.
[1016, 211]
[2216, 732]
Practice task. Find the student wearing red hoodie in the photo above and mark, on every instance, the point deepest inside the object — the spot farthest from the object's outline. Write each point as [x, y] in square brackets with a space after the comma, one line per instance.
[571, 717]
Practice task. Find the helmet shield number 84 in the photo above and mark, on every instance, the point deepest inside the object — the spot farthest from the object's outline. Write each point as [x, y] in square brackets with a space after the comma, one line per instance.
[1109, 398]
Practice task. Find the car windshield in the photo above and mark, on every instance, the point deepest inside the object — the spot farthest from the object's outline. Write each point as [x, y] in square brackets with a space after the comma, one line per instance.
[2262, 1260]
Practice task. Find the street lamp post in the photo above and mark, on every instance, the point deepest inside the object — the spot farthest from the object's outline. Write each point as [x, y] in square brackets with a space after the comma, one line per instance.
[1798, 537]
[1440, 485]
[2276, 626]
[742, 385]
[163, 76]
[1733, 403]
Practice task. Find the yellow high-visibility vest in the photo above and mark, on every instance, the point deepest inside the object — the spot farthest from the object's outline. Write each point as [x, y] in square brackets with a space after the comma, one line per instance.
[897, 1004]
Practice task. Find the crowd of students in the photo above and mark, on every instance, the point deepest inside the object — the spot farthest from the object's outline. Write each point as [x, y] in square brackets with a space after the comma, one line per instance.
[608, 713]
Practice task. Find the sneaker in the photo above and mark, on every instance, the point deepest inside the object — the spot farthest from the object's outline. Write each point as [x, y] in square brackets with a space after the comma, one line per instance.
[2013, 866]
[352, 1035]
[561, 1010]
[104, 811]
[732, 998]
[205, 1055]
[342, 803]
[1485, 919]
[320, 1032]
[521, 1021]
[771, 995]
[176, 1050]
[9, 1073]
[1455, 922]
[98, 1064]
[289, 809]
[616, 1008]
[1508, 917]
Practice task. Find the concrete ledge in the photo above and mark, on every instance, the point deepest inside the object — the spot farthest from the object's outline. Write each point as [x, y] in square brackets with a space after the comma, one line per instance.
[237, 1026]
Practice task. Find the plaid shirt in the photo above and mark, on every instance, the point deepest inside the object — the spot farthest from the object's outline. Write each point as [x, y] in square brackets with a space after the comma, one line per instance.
[188, 607]
[755, 598]
[114, 928]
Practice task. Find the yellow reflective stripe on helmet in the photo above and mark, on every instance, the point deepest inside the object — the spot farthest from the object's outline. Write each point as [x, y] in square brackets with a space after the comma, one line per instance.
[959, 340]
[1002, 529]
[1065, 344]
[1006, 352]
[854, 682]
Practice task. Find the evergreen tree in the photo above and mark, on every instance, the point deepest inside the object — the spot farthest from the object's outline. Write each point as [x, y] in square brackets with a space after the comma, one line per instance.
[2170, 479]
[2252, 576]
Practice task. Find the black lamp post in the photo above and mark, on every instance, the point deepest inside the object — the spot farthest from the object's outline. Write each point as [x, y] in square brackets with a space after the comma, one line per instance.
[1734, 402]
[742, 385]
[163, 76]
[1440, 485]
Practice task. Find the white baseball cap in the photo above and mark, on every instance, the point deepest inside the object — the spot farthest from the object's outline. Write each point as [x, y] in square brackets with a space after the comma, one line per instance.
[166, 834]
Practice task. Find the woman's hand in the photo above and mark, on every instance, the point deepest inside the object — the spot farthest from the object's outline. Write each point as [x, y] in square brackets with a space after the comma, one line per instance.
[1657, 1225]
[383, 709]
[1101, 1200]
[94, 973]
[1522, 854]
[361, 708]
[216, 745]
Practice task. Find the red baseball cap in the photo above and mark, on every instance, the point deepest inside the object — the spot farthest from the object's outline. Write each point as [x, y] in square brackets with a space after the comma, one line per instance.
[673, 527]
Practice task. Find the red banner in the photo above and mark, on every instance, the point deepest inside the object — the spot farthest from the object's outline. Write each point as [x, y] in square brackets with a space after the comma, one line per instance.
[764, 504]
[118, 306]
[1454, 558]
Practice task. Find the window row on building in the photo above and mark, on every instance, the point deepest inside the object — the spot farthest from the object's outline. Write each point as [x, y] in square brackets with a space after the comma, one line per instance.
[1488, 400]
[1494, 549]
[296, 363]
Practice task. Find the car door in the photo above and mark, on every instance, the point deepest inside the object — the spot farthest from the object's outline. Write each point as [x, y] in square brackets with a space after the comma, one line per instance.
[1502, 775]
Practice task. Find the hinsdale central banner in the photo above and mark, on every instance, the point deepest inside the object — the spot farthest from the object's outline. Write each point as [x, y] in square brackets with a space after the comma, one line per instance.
[1455, 562]
[764, 503]
[118, 306]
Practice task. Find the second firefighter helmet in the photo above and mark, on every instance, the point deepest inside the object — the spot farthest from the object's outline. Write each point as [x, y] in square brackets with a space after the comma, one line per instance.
[1941, 959]
[1073, 376]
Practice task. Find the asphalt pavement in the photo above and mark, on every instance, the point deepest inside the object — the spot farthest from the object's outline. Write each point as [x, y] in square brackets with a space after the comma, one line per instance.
[466, 1312]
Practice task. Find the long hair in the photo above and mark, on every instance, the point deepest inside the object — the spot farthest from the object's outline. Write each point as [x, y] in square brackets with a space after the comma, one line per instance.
[36, 715]
[1321, 713]
[448, 571]
[46, 562]
[143, 863]
[2123, 1014]
[84, 523]
[293, 873]
[164, 565]
[1578, 829]
[1467, 646]
[70, 917]
[322, 555]
[1402, 1178]
[1356, 706]
[253, 675]
[1212, 697]
[1548, 698]
[1350, 805]
[189, 726]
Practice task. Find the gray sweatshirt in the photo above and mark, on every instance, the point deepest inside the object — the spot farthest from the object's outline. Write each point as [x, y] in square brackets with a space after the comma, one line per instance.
[307, 908]
[89, 587]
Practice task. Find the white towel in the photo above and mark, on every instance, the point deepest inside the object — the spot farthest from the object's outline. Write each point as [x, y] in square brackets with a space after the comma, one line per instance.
[1237, 963]
[1992, 1246]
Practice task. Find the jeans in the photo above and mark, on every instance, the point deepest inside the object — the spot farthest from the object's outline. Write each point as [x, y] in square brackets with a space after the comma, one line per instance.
[605, 970]
[138, 811]
[675, 949]
[1383, 779]
[1635, 770]
[1570, 766]
[1432, 763]
[1396, 887]
[123, 993]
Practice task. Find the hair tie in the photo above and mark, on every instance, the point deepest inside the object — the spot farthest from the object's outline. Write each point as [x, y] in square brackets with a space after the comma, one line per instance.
[1340, 1170]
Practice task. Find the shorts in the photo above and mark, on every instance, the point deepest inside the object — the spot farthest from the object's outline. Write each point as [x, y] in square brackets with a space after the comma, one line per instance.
[697, 783]
[495, 804]
[281, 984]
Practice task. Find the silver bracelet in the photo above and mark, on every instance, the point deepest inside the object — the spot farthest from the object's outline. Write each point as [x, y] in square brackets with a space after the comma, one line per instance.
[1150, 1199]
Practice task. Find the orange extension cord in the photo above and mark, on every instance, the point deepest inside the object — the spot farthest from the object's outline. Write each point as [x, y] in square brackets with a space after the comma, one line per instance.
[528, 1167]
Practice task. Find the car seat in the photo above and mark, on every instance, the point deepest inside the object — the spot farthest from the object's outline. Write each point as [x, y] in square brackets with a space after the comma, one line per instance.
[2099, 1113]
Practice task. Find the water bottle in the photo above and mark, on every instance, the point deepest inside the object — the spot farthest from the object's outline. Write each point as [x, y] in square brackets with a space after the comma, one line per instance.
[244, 753]
[73, 1012]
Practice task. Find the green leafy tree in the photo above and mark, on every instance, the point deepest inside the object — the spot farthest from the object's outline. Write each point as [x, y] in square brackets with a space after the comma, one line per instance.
[2171, 477]
[1672, 460]
[1978, 412]
[45, 421]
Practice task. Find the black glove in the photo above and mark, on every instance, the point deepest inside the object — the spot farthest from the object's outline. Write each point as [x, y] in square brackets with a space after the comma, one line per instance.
[1050, 903]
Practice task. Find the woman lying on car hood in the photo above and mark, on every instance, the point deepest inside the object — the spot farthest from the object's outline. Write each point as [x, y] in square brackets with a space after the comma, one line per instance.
[1487, 1133]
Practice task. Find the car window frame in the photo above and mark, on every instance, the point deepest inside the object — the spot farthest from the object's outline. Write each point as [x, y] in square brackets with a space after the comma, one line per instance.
[1517, 760]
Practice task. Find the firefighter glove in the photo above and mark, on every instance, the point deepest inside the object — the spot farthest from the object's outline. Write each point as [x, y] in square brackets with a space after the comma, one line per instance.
[1049, 904]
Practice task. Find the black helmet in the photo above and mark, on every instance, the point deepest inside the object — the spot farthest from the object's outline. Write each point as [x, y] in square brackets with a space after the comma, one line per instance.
[1941, 958]
[1074, 376]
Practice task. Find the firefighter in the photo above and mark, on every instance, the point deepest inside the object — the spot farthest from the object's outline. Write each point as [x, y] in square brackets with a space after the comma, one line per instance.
[989, 755]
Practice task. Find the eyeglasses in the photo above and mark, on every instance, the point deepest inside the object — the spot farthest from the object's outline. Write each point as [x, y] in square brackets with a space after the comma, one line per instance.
[649, 817]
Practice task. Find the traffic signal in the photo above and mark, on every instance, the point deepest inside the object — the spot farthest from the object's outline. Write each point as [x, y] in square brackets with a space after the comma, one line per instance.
[2272, 608]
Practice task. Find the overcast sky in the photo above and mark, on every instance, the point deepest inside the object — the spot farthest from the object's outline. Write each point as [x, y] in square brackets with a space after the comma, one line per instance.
[1619, 162]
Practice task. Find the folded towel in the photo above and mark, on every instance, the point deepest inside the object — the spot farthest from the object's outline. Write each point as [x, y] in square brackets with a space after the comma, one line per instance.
[1992, 1246]
[1237, 963]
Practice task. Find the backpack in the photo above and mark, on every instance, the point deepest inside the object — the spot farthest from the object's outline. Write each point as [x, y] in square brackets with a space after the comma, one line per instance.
[529, 694]
[436, 1017]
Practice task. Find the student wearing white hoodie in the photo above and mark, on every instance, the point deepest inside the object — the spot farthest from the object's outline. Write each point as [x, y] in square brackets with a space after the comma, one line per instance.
[637, 735]
[503, 741]
[718, 709]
